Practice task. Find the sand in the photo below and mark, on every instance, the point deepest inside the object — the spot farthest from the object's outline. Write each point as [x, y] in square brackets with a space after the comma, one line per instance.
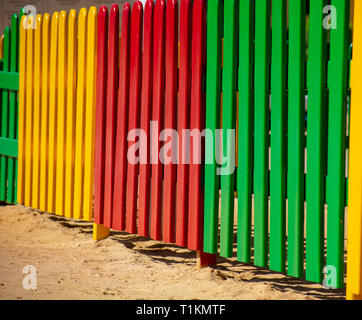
[70, 265]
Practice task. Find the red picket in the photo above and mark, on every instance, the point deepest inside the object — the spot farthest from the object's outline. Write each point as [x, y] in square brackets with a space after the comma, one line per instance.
[157, 115]
[183, 120]
[146, 103]
[111, 113]
[134, 112]
[169, 196]
[120, 171]
[100, 115]
[197, 121]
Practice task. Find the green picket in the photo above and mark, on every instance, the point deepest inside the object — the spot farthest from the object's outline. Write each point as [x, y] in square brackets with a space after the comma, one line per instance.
[261, 134]
[5, 114]
[213, 99]
[246, 127]
[13, 105]
[337, 84]
[278, 136]
[296, 136]
[316, 133]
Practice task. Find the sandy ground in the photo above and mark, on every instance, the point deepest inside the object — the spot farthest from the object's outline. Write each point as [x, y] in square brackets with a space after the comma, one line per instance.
[71, 265]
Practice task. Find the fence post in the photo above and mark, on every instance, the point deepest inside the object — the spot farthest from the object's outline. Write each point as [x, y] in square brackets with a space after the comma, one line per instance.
[354, 242]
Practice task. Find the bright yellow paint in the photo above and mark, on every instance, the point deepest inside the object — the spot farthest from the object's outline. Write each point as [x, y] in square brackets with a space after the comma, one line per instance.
[80, 109]
[1, 46]
[100, 232]
[90, 114]
[21, 141]
[70, 132]
[52, 108]
[36, 110]
[29, 113]
[44, 114]
[354, 239]
[60, 116]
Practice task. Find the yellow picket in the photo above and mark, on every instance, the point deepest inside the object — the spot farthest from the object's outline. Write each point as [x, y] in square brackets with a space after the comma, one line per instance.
[90, 114]
[1, 46]
[29, 111]
[21, 134]
[60, 118]
[79, 140]
[52, 109]
[44, 115]
[354, 239]
[71, 85]
[36, 112]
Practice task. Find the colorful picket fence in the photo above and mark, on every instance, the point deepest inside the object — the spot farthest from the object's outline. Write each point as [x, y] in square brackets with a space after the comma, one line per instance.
[57, 113]
[150, 198]
[9, 87]
[87, 84]
[305, 167]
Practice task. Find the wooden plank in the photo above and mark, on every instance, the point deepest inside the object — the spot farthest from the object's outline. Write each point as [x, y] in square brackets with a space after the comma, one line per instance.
[9, 80]
[157, 116]
[52, 111]
[22, 108]
[146, 105]
[44, 152]
[336, 165]
[99, 160]
[120, 173]
[70, 115]
[8, 148]
[80, 115]
[170, 149]
[229, 84]
[261, 135]
[111, 114]
[183, 121]
[316, 132]
[354, 236]
[61, 114]
[246, 127]
[90, 108]
[134, 114]
[296, 137]
[197, 123]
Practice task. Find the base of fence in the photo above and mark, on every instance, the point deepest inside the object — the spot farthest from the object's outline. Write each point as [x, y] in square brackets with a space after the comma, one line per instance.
[352, 296]
[100, 232]
[204, 259]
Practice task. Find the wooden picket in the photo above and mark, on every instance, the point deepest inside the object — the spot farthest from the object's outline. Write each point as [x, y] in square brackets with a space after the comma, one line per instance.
[57, 113]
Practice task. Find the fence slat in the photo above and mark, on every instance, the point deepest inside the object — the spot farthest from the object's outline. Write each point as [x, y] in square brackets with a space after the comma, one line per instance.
[134, 113]
[144, 171]
[157, 116]
[278, 141]
[90, 108]
[52, 111]
[213, 98]
[183, 120]
[246, 127]
[296, 136]
[70, 115]
[111, 114]
[44, 114]
[61, 114]
[119, 200]
[36, 112]
[79, 134]
[14, 64]
[229, 84]
[101, 114]
[262, 74]
[316, 132]
[171, 147]
[22, 112]
[197, 124]
[337, 84]
[5, 114]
